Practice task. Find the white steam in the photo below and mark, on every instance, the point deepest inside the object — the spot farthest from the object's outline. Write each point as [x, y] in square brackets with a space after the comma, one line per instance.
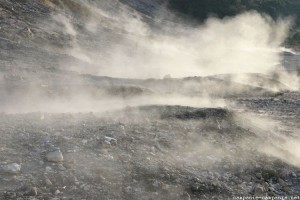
[247, 43]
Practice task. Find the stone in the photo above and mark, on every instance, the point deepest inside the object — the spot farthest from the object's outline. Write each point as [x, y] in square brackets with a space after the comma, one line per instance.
[57, 192]
[12, 168]
[33, 191]
[48, 182]
[286, 189]
[84, 142]
[185, 196]
[265, 185]
[258, 175]
[293, 174]
[271, 188]
[282, 182]
[110, 140]
[55, 156]
[61, 167]
[242, 186]
[128, 189]
[259, 191]
[48, 169]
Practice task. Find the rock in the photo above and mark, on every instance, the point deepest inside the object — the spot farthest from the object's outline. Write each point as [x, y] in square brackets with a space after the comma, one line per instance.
[128, 189]
[109, 141]
[286, 189]
[48, 182]
[272, 189]
[13, 168]
[156, 184]
[265, 185]
[283, 174]
[55, 156]
[11, 195]
[33, 191]
[61, 167]
[259, 191]
[258, 175]
[242, 186]
[185, 196]
[293, 174]
[195, 187]
[282, 182]
[57, 192]
[48, 169]
[85, 187]
[84, 142]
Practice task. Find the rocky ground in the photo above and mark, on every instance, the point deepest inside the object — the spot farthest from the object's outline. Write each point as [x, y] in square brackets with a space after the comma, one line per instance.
[162, 152]
[69, 135]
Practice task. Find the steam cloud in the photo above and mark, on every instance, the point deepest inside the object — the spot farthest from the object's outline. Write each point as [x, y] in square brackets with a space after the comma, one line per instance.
[248, 43]
[110, 39]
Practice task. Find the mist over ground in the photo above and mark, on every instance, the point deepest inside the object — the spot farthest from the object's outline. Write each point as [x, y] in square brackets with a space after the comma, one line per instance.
[128, 100]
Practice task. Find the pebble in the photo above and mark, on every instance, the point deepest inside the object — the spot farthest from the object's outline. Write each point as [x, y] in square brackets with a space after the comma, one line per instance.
[259, 191]
[57, 192]
[282, 182]
[55, 156]
[266, 185]
[271, 188]
[61, 167]
[293, 174]
[48, 169]
[84, 142]
[242, 186]
[185, 196]
[33, 191]
[13, 168]
[286, 189]
[128, 189]
[110, 140]
[258, 175]
[48, 182]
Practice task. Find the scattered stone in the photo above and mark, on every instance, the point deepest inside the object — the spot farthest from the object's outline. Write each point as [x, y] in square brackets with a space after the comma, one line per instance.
[282, 182]
[293, 174]
[271, 188]
[185, 196]
[128, 189]
[272, 194]
[33, 191]
[258, 175]
[61, 167]
[156, 184]
[84, 142]
[109, 141]
[286, 189]
[85, 187]
[265, 185]
[259, 191]
[57, 192]
[12, 168]
[55, 156]
[242, 186]
[48, 182]
[48, 169]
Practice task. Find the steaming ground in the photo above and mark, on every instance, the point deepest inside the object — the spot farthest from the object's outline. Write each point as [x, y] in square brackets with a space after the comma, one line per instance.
[105, 100]
[165, 152]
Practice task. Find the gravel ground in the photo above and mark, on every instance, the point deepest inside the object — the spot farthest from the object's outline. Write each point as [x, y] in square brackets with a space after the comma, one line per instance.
[162, 152]
[141, 144]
